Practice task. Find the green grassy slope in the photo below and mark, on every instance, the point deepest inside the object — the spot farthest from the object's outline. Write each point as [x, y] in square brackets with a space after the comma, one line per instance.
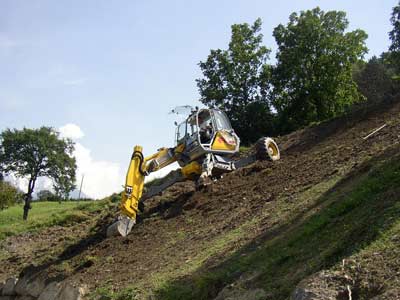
[44, 214]
[356, 219]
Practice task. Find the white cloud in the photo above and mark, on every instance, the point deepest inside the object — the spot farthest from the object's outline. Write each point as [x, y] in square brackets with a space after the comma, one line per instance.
[42, 183]
[71, 131]
[20, 183]
[101, 178]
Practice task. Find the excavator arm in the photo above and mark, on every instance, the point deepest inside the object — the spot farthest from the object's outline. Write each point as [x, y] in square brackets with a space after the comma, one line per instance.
[205, 144]
[139, 168]
[134, 184]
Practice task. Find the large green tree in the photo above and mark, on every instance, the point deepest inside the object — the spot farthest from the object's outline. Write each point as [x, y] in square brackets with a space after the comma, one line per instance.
[236, 80]
[34, 153]
[313, 76]
[394, 34]
[374, 80]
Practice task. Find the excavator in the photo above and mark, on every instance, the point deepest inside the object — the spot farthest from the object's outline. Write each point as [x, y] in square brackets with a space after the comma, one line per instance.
[205, 144]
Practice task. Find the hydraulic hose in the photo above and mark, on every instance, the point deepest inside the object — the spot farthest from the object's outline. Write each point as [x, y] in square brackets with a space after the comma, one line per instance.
[139, 155]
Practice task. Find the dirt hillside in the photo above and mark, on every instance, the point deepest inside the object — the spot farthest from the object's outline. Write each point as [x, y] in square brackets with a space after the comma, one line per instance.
[201, 244]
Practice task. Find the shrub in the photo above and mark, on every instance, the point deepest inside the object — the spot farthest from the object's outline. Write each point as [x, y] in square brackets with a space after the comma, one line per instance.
[46, 195]
[9, 195]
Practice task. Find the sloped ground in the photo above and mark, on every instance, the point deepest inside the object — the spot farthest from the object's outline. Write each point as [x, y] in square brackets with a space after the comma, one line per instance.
[46, 235]
[259, 231]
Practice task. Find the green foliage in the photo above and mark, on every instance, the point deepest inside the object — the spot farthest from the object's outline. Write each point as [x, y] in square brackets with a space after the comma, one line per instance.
[374, 80]
[46, 195]
[394, 35]
[64, 184]
[236, 80]
[9, 195]
[313, 76]
[116, 198]
[34, 153]
[107, 293]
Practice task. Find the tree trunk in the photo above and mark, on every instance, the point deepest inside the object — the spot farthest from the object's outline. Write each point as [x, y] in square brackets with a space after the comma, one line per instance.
[28, 197]
[27, 206]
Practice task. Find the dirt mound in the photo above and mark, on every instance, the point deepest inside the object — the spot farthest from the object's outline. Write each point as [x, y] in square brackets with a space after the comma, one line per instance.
[185, 230]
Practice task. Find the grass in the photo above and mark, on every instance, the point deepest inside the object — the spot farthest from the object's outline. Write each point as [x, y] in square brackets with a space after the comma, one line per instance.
[107, 293]
[44, 214]
[356, 216]
[213, 247]
[244, 148]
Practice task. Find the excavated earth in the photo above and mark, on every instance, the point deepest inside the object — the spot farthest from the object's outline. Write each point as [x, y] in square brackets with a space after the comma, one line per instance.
[185, 230]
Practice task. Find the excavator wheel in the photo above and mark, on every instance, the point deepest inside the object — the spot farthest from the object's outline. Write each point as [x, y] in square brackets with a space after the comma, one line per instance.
[266, 148]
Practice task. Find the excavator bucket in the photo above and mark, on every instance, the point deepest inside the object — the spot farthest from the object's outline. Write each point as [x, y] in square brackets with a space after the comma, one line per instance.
[121, 227]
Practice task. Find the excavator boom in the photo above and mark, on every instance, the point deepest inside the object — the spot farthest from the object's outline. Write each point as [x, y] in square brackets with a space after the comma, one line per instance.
[139, 167]
[205, 143]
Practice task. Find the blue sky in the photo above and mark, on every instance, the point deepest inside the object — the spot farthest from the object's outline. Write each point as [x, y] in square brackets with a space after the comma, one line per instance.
[115, 68]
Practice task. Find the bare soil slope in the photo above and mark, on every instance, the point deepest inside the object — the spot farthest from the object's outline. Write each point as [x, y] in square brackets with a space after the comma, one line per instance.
[184, 235]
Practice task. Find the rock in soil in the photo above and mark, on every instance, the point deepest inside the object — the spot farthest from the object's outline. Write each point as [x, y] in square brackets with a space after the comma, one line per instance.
[321, 286]
[9, 287]
[32, 283]
[50, 291]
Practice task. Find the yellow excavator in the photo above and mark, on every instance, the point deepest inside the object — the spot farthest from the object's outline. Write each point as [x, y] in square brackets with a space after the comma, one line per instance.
[205, 144]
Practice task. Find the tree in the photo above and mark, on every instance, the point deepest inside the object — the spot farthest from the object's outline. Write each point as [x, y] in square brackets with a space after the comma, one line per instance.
[64, 184]
[34, 153]
[374, 80]
[46, 195]
[236, 80]
[313, 76]
[394, 35]
[9, 195]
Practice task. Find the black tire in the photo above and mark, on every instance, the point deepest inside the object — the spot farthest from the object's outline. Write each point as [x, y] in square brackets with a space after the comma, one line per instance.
[266, 148]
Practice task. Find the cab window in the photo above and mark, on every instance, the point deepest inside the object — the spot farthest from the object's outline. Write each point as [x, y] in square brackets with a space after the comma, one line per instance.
[206, 128]
[180, 132]
[192, 126]
[204, 119]
[221, 120]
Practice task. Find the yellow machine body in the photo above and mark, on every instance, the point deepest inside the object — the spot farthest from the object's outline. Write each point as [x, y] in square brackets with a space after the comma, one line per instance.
[205, 141]
[191, 170]
[223, 141]
[133, 185]
[139, 167]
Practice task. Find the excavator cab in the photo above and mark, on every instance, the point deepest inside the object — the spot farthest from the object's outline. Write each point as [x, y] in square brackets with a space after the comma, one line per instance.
[206, 131]
[216, 134]
[205, 144]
